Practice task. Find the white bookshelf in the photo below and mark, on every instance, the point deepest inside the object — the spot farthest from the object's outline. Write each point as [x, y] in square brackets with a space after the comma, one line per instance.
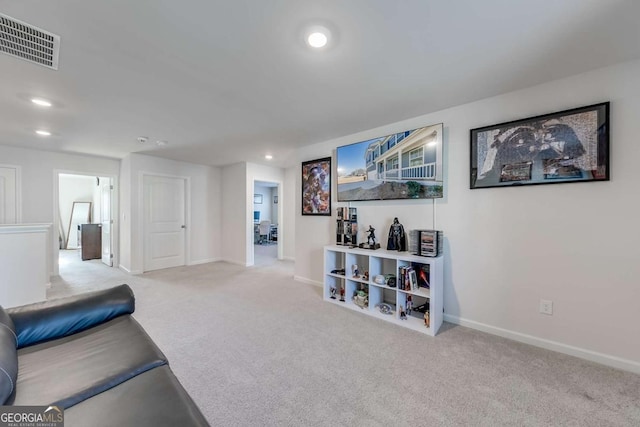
[383, 262]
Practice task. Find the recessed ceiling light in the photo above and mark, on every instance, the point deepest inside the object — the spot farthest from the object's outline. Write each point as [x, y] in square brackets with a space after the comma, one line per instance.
[161, 143]
[317, 36]
[317, 40]
[142, 139]
[43, 132]
[268, 157]
[41, 102]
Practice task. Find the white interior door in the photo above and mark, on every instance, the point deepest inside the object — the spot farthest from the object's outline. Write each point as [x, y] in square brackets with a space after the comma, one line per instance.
[8, 195]
[164, 222]
[106, 190]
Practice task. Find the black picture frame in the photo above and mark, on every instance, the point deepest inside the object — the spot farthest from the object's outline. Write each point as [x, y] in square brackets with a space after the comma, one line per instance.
[316, 187]
[561, 147]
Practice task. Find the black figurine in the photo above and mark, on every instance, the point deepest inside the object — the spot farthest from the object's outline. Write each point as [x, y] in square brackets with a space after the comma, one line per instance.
[371, 237]
[397, 239]
[371, 240]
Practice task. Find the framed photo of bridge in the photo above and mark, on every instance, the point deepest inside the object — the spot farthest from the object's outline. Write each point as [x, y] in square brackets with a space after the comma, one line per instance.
[567, 146]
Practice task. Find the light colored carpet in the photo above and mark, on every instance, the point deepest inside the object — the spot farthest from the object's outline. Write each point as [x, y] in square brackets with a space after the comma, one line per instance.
[254, 347]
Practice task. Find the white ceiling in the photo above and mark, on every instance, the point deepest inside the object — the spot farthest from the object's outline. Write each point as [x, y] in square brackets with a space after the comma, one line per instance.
[229, 81]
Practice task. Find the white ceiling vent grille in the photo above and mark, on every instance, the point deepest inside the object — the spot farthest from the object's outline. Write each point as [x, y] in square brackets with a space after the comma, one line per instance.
[28, 42]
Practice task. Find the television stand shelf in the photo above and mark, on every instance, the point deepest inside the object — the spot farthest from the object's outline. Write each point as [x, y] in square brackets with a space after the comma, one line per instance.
[386, 263]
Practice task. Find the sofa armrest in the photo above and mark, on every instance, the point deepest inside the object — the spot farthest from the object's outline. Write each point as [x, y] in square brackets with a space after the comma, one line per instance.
[48, 320]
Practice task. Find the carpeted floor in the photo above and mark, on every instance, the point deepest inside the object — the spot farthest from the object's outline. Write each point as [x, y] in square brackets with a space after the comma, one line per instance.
[254, 347]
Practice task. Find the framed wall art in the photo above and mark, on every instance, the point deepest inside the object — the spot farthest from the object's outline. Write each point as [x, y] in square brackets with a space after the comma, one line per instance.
[567, 146]
[404, 165]
[257, 199]
[316, 187]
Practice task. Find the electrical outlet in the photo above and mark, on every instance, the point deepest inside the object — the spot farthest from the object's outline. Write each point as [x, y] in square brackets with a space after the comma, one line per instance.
[546, 307]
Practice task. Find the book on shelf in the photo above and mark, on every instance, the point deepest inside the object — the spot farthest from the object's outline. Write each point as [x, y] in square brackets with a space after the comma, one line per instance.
[413, 280]
[423, 275]
[407, 278]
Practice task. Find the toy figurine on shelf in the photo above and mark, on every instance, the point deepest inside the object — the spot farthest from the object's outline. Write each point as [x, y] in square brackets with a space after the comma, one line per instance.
[371, 240]
[342, 293]
[354, 270]
[361, 299]
[365, 276]
[397, 239]
[426, 319]
[403, 315]
[333, 292]
[409, 304]
[371, 237]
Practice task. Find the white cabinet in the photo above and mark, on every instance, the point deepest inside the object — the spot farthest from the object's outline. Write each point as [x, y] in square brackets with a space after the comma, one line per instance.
[426, 279]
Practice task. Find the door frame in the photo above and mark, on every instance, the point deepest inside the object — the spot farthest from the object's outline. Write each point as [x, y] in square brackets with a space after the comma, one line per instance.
[187, 215]
[115, 209]
[18, 170]
[111, 221]
[249, 253]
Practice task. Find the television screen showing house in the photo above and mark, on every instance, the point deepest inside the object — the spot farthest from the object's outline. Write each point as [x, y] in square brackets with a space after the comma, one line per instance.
[405, 165]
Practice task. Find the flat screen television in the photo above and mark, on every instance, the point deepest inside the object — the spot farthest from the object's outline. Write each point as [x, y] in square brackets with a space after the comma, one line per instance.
[405, 165]
[256, 216]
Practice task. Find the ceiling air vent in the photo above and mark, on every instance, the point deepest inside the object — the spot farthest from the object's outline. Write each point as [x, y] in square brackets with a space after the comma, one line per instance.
[28, 42]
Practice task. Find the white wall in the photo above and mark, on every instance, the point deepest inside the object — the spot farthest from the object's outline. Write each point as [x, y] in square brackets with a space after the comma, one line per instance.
[273, 207]
[39, 182]
[204, 210]
[289, 214]
[265, 207]
[125, 214]
[234, 208]
[38, 176]
[506, 248]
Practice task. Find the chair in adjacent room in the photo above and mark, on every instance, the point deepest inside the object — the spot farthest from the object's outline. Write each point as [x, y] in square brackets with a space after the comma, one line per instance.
[265, 231]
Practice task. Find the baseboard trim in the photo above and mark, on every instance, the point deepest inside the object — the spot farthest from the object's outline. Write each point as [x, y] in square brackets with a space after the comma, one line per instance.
[204, 261]
[604, 359]
[126, 270]
[288, 258]
[308, 281]
[230, 261]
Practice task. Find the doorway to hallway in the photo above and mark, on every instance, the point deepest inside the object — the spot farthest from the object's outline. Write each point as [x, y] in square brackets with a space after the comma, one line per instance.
[84, 208]
[266, 222]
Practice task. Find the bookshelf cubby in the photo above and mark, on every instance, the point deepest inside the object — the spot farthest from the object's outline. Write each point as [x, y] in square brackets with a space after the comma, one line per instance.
[338, 274]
